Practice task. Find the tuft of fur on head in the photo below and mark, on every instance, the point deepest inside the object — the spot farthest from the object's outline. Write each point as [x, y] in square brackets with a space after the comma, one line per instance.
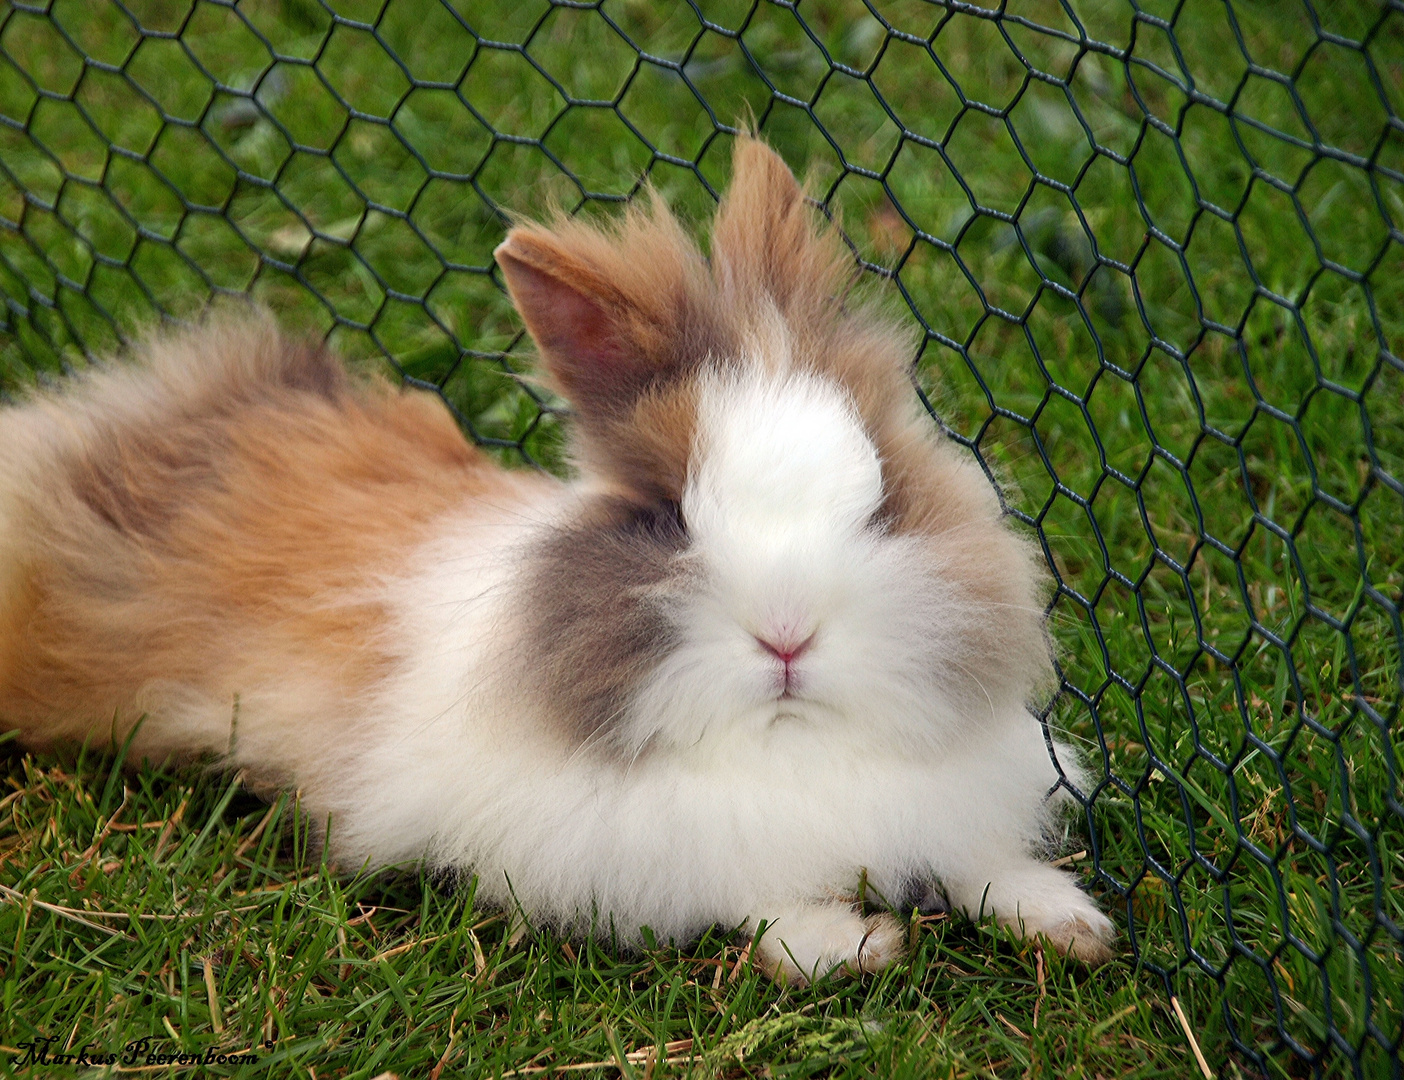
[758, 476]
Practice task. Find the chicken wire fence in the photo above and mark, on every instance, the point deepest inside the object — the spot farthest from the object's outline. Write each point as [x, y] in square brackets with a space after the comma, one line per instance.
[1156, 252]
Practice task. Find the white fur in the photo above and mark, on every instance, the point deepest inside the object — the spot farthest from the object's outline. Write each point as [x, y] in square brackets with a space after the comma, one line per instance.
[778, 505]
[806, 942]
[740, 805]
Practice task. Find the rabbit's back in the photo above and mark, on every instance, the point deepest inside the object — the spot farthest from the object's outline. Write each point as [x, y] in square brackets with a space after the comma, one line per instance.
[211, 519]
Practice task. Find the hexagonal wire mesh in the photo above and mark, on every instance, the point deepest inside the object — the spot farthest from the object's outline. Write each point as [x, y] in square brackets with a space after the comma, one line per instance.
[1155, 248]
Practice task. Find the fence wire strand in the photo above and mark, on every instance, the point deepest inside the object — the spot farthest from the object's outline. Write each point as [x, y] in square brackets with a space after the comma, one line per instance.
[1156, 250]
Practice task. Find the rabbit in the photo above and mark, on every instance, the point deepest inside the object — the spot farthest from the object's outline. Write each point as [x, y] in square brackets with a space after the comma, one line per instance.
[772, 643]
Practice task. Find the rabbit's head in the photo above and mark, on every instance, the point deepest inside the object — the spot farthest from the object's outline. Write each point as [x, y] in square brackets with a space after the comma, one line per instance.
[770, 532]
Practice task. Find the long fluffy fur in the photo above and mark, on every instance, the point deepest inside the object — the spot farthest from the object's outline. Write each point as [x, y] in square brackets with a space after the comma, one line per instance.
[203, 540]
[773, 638]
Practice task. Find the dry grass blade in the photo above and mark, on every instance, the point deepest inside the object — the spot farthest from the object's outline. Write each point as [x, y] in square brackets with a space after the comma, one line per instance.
[171, 823]
[438, 1068]
[740, 963]
[479, 960]
[216, 1021]
[406, 947]
[102, 835]
[1189, 1034]
[63, 912]
[250, 840]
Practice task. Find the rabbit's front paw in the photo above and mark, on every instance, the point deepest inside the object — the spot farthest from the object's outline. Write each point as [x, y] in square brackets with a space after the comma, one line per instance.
[1078, 929]
[1035, 900]
[805, 943]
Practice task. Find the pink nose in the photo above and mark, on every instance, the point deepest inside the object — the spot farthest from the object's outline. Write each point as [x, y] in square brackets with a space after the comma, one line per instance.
[786, 651]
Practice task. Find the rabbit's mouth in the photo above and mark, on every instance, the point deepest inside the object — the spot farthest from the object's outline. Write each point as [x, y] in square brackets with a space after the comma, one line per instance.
[788, 687]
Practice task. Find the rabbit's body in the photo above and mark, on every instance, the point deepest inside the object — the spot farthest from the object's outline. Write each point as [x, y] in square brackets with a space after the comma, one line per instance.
[774, 640]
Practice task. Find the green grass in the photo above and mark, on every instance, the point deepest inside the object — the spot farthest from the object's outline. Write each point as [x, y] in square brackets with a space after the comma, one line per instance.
[1212, 470]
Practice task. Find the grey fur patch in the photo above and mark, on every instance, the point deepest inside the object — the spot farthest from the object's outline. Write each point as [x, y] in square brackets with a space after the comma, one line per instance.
[594, 629]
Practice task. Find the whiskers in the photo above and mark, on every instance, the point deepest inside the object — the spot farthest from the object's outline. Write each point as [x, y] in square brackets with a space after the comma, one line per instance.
[603, 732]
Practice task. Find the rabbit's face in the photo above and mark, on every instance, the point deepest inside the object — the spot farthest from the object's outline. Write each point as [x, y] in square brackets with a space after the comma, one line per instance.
[795, 598]
[769, 530]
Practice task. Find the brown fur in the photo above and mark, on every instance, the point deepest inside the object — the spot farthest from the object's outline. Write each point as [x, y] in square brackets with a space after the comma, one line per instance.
[208, 520]
[636, 312]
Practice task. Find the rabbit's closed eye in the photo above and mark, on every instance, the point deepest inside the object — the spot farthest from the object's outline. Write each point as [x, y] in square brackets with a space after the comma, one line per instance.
[662, 520]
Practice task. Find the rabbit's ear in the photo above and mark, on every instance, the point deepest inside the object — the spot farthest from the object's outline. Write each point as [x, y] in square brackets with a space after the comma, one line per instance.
[769, 243]
[612, 312]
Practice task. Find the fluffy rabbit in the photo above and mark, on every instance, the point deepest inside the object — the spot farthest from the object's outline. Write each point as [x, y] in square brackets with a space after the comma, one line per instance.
[772, 639]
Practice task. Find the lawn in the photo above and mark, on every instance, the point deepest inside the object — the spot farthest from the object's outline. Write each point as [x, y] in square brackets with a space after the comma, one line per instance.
[1160, 263]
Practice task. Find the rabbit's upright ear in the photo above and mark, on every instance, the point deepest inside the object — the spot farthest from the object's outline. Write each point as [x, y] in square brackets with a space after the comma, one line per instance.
[613, 311]
[768, 243]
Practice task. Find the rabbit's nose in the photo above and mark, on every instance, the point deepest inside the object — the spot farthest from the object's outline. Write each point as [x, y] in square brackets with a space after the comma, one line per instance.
[786, 650]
